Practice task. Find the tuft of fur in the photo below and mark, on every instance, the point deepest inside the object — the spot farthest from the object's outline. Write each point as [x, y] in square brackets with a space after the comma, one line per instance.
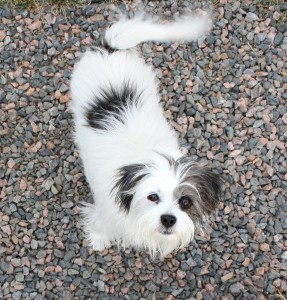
[111, 104]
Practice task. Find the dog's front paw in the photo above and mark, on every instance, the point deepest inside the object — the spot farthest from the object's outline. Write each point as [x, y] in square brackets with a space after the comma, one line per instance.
[99, 241]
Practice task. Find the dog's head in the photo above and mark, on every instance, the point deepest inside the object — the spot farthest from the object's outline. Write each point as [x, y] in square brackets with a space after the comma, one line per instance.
[167, 200]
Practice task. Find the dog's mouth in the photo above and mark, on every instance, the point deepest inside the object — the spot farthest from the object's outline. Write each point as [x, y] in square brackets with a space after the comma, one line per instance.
[166, 232]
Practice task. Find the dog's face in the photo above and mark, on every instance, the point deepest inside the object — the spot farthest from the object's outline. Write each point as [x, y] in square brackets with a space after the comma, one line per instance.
[166, 200]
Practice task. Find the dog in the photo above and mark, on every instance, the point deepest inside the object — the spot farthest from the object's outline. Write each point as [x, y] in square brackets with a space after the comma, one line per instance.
[146, 193]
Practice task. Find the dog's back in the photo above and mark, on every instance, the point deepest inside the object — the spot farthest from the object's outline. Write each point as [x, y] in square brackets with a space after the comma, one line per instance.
[115, 98]
[114, 90]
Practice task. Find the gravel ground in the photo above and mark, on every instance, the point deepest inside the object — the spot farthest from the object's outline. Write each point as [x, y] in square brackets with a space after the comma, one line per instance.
[225, 95]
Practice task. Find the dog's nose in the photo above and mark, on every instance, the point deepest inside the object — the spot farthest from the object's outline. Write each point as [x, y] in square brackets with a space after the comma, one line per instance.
[168, 220]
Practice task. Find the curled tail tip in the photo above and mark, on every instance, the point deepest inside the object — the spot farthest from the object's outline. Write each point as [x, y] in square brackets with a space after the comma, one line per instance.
[124, 34]
[128, 33]
[204, 24]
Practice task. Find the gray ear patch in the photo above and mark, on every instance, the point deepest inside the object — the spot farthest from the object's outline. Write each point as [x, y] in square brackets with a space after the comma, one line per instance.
[202, 185]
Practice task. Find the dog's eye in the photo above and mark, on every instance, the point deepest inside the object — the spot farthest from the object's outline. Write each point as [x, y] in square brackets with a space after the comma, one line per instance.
[185, 202]
[153, 197]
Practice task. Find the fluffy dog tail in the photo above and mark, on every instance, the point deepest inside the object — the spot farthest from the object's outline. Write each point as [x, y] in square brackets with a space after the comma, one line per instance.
[128, 33]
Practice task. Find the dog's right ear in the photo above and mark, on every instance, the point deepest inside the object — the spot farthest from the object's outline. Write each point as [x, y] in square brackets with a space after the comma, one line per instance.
[126, 180]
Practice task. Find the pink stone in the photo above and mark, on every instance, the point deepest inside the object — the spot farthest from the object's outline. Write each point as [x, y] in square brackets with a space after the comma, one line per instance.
[87, 41]
[265, 247]
[268, 169]
[230, 146]
[235, 153]
[209, 287]
[11, 163]
[10, 106]
[26, 239]
[243, 179]
[257, 29]
[240, 160]
[35, 127]
[246, 261]
[280, 145]
[2, 35]
[189, 83]
[277, 283]
[49, 269]
[45, 212]
[58, 282]
[209, 155]
[6, 229]
[260, 271]
[243, 104]
[23, 185]
[35, 25]
[180, 274]
[38, 145]
[58, 269]
[26, 261]
[227, 210]
[229, 85]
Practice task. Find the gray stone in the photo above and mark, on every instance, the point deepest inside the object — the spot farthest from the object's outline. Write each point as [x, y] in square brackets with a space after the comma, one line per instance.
[235, 289]
[251, 17]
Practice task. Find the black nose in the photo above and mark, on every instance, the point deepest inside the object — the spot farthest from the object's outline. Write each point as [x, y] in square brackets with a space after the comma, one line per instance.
[168, 220]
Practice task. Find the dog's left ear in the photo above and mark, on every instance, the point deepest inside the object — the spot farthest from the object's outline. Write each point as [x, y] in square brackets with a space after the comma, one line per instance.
[126, 180]
[207, 184]
[210, 187]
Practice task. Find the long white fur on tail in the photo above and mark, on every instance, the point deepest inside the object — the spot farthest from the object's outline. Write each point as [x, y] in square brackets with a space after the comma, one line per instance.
[128, 33]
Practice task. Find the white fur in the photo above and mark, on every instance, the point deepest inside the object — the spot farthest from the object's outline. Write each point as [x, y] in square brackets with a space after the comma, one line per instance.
[128, 33]
[139, 139]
